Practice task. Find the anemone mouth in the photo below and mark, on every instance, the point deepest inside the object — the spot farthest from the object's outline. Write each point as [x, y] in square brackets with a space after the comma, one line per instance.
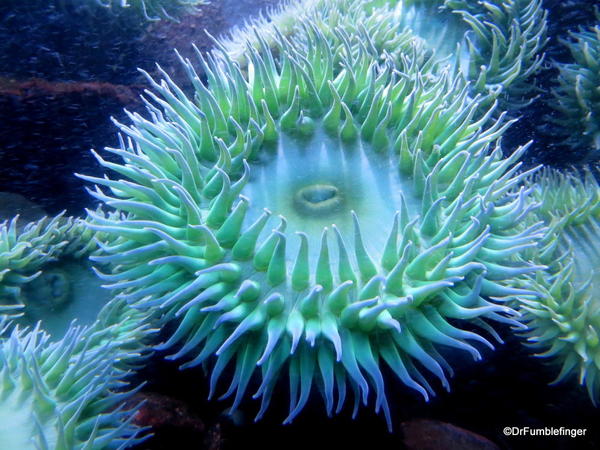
[59, 288]
[318, 199]
[61, 293]
[316, 181]
[50, 291]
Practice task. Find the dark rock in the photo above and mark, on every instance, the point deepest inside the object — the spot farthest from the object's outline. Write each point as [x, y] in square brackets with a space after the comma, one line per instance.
[422, 434]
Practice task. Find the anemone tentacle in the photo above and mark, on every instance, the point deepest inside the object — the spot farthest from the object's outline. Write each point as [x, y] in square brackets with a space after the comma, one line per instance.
[128, 331]
[563, 324]
[202, 180]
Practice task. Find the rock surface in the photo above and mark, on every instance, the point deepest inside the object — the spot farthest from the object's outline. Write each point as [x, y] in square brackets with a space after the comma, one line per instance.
[424, 434]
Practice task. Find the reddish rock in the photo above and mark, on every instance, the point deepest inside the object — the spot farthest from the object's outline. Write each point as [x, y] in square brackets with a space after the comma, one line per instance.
[173, 424]
[42, 90]
[160, 410]
[423, 434]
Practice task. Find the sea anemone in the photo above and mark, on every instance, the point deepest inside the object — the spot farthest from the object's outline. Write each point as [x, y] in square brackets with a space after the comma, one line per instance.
[505, 46]
[399, 220]
[44, 271]
[564, 322]
[381, 26]
[498, 44]
[62, 395]
[577, 98]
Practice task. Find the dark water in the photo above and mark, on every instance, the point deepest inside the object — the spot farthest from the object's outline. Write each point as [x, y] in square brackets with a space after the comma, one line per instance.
[63, 76]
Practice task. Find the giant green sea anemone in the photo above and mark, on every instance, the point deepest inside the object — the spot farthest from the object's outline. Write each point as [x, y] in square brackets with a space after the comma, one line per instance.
[564, 322]
[61, 395]
[333, 207]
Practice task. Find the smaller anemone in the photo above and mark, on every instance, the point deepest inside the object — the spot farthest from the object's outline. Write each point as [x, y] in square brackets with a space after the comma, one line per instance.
[384, 26]
[505, 46]
[577, 98]
[44, 271]
[62, 395]
[278, 19]
[564, 323]
[45, 276]
[497, 44]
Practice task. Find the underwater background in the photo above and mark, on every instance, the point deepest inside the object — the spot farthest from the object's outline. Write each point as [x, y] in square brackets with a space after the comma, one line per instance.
[68, 69]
